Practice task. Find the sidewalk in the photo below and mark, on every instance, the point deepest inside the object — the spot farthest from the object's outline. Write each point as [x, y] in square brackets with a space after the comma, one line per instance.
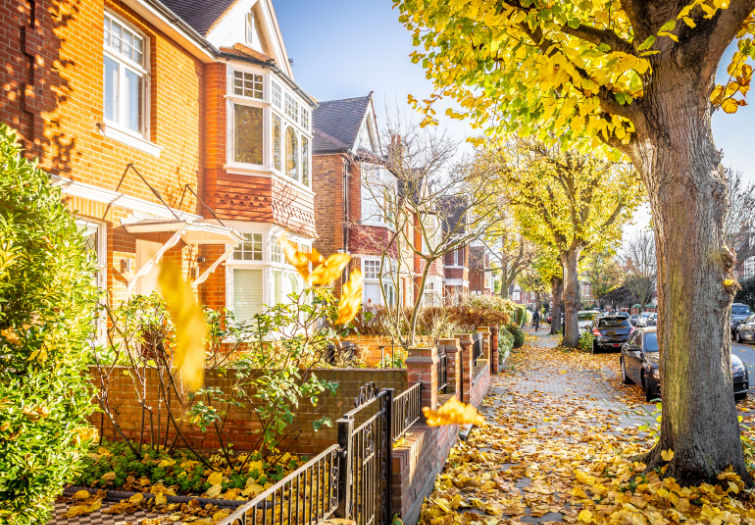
[549, 411]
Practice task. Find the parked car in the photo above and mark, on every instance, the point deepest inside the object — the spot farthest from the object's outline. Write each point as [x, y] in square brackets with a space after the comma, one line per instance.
[610, 332]
[652, 319]
[739, 312]
[639, 365]
[633, 319]
[746, 330]
[585, 319]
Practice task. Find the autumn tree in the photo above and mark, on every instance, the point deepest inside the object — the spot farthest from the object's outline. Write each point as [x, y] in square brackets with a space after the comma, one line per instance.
[531, 280]
[639, 76]
[571, 202]
[603, 272]
[641, 267]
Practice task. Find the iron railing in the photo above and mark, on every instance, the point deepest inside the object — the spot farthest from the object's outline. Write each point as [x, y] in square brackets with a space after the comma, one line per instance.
[476, 348]
[406, 411]
[306, 496]
[442, 372]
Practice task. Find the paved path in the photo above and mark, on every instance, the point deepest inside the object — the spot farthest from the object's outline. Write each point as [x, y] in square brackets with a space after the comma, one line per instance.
[548, 411]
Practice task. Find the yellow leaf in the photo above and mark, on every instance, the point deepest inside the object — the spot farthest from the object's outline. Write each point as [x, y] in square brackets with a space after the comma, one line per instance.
[216, 478]
[728, 282]
[667, 455]
[453, 412]
[81, 494]
[351, 298]
[330, 269]
[585, 516]
[136, 498]
[300, 260]
[110, 476]
[190, 326]
[80, 510]
[214, 491]
[160, 499]
[730, 105]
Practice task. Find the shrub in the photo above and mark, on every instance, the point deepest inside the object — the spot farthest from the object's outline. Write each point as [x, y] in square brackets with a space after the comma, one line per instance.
[505, 343]
[47, 305]
[517, 334]
[585, 341]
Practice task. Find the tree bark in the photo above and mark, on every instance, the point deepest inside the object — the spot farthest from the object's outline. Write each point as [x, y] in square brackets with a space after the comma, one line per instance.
[557, 289]
[677, 158]
[571, 297]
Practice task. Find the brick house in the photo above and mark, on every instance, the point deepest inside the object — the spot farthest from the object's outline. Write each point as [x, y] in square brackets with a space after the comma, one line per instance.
[455, 263]
[175, 131]
[350, 211]
[480, 277]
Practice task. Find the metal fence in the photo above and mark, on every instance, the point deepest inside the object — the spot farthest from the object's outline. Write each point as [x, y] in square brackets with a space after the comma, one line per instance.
[476, 348]
[306, 496]
[442, 372]
[406, 411]
[351, 479]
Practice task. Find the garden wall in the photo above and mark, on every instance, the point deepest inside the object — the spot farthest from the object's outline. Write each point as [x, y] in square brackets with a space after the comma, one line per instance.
[241, 427]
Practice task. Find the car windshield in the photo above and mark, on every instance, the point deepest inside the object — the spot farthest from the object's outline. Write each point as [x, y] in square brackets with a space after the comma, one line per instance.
[645, 314]
[651, 342]
[613, 322]
[740, 310]
[587, 316]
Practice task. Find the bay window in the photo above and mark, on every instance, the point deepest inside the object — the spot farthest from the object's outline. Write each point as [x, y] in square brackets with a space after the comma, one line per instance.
[125, 76]
[247, 132]
[305, 160]
[276, 142]
[292, 154]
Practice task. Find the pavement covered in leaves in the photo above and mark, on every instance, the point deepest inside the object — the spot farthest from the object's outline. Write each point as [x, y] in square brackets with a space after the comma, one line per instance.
[562, 431]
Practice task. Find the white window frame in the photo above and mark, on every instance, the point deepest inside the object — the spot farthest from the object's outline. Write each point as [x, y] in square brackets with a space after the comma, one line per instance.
[101, 227]
[253, 241]
[141, 69]
[249, 27]
[263, 103]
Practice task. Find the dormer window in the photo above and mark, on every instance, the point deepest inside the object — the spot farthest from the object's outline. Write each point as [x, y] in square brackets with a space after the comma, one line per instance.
[249, 28]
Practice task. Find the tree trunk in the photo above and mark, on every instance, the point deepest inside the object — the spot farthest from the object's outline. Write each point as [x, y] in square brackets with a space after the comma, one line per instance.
[675, 154]
[505, 283]
[557, 289]
[571, 297]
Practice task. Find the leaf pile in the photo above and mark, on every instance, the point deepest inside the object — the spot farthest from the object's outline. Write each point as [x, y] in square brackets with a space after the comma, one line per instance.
[559, 445]
[116, 467]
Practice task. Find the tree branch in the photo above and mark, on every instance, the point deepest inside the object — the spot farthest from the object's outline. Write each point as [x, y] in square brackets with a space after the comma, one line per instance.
[599, 36]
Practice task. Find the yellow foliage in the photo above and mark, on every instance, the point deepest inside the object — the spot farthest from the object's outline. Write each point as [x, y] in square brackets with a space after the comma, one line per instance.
[453, 412]
[351, 298]
[190, 326]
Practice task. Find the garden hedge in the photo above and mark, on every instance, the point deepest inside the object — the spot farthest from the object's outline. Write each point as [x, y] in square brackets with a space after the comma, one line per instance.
[47, 305]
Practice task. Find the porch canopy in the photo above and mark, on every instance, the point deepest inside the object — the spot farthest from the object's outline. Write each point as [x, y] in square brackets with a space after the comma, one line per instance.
[196, 232]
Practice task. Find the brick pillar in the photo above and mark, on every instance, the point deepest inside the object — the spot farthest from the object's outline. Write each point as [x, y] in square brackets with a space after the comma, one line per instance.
[422, 367]
[451, 347]
[494, 367]
[465, 342]
[485, 332]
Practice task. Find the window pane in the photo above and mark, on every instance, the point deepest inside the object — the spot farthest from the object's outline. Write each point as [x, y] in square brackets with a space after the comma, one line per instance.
[111, 89]
[305, 160]
[276, 142]
[292, 167]
[247, 293]
[250, 248]
[247, 134]
[276, 95]
[133, 96]
[292, 108]
[247, 85]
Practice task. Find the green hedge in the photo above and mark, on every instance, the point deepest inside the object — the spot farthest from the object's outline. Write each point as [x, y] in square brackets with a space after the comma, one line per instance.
[47, 303]
[517, 334]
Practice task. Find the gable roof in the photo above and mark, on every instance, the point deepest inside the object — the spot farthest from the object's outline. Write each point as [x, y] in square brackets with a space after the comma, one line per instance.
[337, 124]
[199, 14]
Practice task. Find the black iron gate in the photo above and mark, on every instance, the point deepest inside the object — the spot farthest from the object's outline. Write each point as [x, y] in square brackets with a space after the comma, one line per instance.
[364, 435]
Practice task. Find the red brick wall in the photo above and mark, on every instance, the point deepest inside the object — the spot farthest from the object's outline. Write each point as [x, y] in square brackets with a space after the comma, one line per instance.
[327, 181]
[241, 424]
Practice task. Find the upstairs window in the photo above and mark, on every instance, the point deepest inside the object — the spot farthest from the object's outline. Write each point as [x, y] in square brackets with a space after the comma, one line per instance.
[247, 134]
[292, 154]
[250, 248]
[292, 108]
[305, 160]
[249, 28]
[277, 94]
[305, 119]
[276, 142]
[125, 72]
[248, 85]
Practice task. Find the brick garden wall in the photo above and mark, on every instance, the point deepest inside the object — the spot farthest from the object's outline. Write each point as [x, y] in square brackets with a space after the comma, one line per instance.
[241, 427]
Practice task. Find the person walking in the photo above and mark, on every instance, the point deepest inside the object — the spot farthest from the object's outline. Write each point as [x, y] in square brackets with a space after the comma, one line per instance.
[536, 320]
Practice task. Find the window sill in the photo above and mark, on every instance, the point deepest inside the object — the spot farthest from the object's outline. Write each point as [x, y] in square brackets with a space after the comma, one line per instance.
[130, 139]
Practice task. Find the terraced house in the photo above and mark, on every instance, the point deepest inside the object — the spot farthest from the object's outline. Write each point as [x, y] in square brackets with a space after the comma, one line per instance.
[175, 130]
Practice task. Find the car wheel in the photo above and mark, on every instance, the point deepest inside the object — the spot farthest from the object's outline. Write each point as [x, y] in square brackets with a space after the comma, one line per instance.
[624, 377]
[649, 394]
[595, 349]
[740, 397]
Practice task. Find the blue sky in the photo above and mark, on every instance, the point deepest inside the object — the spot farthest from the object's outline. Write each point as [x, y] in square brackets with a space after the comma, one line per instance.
[347, 48]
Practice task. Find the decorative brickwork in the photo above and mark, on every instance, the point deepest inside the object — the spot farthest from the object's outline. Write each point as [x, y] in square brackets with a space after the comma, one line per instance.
[422, 366]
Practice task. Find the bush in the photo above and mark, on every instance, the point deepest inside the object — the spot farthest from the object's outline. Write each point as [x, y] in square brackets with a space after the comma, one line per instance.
[517, 334]
[585, 341]
[47, 305]
[505, 343]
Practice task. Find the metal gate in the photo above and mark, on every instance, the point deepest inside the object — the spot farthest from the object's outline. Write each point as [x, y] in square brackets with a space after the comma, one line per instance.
[364, 435]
